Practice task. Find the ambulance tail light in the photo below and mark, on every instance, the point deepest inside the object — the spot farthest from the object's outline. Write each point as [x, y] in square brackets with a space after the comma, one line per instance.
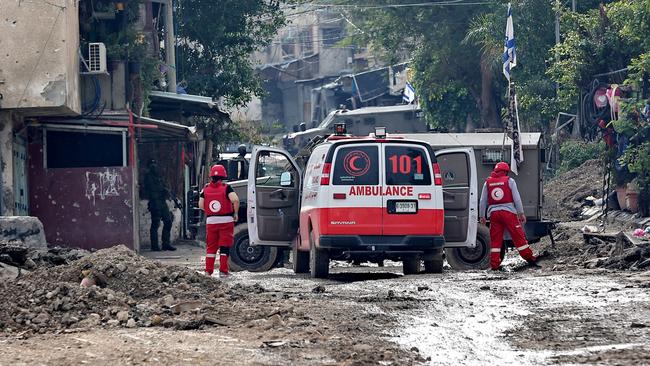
[437, 176]
[325, 175]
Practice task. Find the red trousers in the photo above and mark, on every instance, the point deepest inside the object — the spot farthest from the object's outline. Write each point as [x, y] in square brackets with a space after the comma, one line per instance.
[218, 236]
[506, 220]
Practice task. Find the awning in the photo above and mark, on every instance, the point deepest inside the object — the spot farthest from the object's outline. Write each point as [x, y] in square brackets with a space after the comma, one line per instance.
[188, 104]
[164, 131]
[146, 129]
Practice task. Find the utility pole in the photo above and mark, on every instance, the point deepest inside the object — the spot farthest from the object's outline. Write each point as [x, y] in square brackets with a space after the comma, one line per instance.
[170, 47]
[576, 124]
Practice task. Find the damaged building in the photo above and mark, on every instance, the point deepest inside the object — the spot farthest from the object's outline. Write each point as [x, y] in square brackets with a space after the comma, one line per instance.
[78, 122]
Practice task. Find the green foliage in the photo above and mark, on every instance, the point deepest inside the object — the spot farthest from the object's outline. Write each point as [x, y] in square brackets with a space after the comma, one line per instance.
[456, 57]
[216, 41]
[574, 153]
[599, 41]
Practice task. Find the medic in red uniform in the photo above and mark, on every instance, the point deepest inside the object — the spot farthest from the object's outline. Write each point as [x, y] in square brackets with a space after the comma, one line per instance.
[501, 202]
[221, 205]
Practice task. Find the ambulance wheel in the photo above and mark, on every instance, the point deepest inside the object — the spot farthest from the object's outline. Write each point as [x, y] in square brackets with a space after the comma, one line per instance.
[244, 257]
[472, 258]
[319, 261]
[434, 265]
[300, 260]
[411, 265]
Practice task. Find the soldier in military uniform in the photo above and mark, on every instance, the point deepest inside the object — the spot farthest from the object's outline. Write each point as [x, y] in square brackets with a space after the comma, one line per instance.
[156, 191]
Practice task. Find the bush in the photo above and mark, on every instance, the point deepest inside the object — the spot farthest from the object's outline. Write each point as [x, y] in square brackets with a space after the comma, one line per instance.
[574, 153]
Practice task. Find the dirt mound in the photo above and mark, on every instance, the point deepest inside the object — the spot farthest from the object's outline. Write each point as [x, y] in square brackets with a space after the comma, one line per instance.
[130, 291]
[564, 195]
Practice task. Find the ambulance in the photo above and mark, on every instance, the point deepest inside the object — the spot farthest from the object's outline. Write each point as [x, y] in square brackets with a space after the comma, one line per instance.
[363, 198]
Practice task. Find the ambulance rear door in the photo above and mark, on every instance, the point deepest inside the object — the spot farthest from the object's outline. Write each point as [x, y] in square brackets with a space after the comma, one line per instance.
[460, 195]
[354, 206]
[273, 197]
[411, 206]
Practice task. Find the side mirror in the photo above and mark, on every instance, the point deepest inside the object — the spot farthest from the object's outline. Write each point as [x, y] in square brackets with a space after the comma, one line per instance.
[286, 180]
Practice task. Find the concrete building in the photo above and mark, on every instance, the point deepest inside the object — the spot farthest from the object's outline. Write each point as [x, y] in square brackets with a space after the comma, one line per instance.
[308, 73]
[39, 76]
[73, 153]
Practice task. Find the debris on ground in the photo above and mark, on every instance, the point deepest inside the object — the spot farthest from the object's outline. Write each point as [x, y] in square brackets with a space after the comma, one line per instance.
[589, 247]
[567, 193]
[18, 254]
[111, 287]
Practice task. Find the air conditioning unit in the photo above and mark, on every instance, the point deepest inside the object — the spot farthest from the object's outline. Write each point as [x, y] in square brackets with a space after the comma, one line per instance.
[96, 58]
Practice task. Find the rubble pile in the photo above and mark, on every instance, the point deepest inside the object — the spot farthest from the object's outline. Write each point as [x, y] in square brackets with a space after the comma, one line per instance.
[565, 194]
[16, 254]
[577, 250]
[123, 289]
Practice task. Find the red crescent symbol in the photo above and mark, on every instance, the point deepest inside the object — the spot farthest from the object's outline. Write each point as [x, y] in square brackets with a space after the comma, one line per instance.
[352, 166]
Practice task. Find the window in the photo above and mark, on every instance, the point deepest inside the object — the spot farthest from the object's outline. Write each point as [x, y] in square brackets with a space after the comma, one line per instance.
[331, 36]
[84, 149]
[491, 156]
[270, 166]
[407, 165]
[454, 168]
[306, 43]
[356, 165]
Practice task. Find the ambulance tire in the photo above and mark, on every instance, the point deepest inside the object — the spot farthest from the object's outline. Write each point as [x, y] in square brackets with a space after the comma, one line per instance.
[472, 258]
[244, 257]
[411, 265]
[319, 259]
[300, 260]
[434, 265]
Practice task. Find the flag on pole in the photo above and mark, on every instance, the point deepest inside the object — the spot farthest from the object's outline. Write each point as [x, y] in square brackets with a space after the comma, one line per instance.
[513, 128]
[509, 54]
[409, 93]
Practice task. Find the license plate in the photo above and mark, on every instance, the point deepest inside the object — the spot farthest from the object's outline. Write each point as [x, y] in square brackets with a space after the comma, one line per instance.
[406, 207]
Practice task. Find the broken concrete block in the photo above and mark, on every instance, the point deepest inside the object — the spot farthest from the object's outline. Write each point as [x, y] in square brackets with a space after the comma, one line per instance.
[26, 229]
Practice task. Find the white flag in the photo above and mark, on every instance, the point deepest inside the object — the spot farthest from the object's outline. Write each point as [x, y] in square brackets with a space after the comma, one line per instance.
[509, 54]
[409, 93]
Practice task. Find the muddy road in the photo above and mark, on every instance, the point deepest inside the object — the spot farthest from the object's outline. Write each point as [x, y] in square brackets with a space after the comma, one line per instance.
[371, 315]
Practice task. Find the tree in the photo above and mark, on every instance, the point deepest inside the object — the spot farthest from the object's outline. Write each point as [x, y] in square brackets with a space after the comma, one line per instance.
[456, 55]
[216, 39]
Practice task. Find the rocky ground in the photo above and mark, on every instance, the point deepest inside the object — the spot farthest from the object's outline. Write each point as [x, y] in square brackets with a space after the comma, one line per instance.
[588, 305]
[144, 311]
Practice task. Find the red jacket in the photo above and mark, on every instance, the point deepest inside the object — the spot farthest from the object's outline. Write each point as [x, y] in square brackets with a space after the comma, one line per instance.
[216, 201]
[499, 191]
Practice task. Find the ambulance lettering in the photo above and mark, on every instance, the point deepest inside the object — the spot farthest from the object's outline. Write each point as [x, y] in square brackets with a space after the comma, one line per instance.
[381, 191]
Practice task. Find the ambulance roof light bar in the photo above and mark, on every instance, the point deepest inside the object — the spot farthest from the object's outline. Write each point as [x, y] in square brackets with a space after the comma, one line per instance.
[340, 129]
[380, 132]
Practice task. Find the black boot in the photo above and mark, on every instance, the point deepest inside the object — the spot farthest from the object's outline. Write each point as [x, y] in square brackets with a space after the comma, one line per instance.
[168, 247]
[155, 248]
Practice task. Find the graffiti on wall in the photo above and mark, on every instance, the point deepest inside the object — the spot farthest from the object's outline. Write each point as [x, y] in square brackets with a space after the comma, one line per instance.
[103, 184]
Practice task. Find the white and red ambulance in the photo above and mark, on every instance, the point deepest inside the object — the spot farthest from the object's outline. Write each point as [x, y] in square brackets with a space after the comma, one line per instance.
[363, 198]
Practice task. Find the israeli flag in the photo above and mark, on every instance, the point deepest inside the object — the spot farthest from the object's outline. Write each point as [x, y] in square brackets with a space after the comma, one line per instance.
[509, 54]
[409, 93]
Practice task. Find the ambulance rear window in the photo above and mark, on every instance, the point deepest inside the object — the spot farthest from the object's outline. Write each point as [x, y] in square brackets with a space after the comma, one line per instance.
[407, 165]
[356, 165]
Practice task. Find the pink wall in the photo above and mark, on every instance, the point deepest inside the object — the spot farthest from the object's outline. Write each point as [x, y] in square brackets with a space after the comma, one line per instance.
[81, 207]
